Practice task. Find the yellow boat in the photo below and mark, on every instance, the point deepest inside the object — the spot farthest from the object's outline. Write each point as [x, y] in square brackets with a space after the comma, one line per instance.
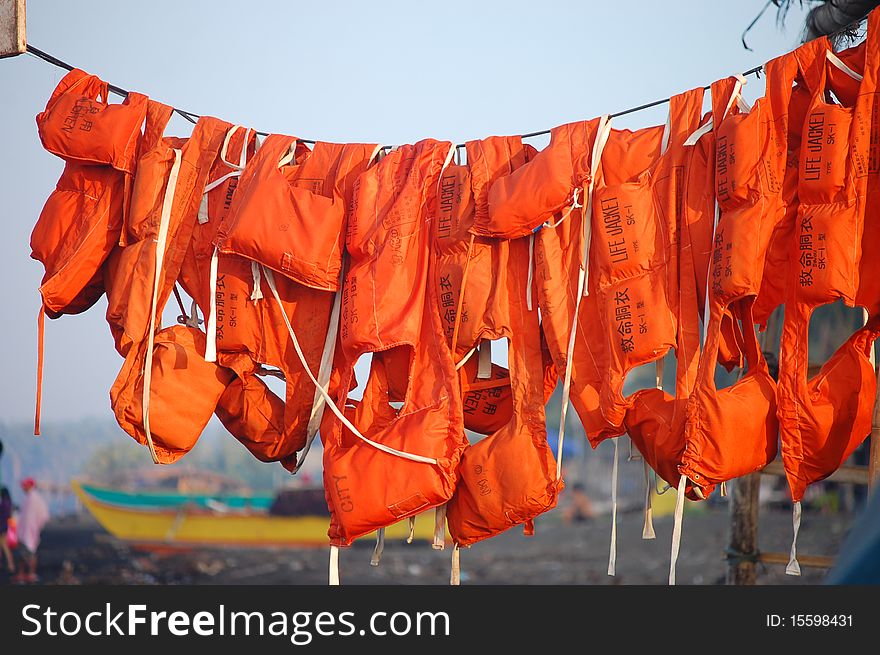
[188, 525]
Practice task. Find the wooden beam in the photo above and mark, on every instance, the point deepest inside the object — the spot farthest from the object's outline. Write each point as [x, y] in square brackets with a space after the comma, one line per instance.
[811, 561]
[850, 474]
[12, 28]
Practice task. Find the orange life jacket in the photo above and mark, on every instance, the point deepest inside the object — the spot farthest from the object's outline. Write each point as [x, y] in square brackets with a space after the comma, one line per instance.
[518, 203]
[823, 420]
[844, 79]
[297, 226]
[733, 431]
[655, 419]
[171, 174]
[248, 409]
[635, 199]
[81, 221]
[510, 476]
[561, 258]
[386, 462]
[284, 192]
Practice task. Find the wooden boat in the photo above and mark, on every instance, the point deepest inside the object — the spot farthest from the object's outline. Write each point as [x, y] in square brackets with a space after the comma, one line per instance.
[188, 525]
[157, 499]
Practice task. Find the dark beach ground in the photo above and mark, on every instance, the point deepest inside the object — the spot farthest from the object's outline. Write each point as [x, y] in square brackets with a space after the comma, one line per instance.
[75, 550]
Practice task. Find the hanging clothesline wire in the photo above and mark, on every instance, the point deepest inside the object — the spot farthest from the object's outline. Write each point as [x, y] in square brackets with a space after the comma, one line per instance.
[192, 118]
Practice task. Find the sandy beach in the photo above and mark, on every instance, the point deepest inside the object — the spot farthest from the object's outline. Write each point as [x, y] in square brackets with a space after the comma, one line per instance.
[76, 550]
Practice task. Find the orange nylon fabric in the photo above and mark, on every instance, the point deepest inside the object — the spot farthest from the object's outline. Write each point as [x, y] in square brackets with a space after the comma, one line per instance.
[297, 224]
[557, 258]
[509, 477]
[255, 416]
[249, 320]
[82, 218]
[635, 236]
[733, 431]
[390, 309]
[80, 125]
[655, 419]
[184, 392]
[487, 403]
[216, 203]
[823, 420]
[521, 201]
[774, 287]
[131, 274]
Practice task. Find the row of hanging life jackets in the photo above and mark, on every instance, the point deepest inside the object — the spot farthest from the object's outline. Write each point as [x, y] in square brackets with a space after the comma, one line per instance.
[604, 251]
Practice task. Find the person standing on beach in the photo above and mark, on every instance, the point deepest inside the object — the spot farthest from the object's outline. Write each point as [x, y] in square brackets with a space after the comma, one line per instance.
[5, 515]
[34, 515]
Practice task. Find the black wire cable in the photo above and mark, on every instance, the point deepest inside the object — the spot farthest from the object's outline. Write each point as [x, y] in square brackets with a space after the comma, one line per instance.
[192, 118]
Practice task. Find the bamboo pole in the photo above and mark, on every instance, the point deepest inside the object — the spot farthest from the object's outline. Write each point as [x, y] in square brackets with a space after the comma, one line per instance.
[810, 561]
[846, 473]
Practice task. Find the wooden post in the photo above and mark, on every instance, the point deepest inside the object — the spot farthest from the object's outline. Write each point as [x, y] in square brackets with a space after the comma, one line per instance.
[12, 28]
[743, 530]
[874, 453]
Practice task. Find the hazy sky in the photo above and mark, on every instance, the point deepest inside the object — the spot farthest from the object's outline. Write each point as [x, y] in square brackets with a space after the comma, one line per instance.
[390, 72]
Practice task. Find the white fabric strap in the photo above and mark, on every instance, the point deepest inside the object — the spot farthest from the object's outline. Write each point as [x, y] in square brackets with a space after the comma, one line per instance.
[612, 551]
[595, 162]
[236, 172]
[375, 154]
[676, 527]
[724, 489]
[634, 455]
[709, 276]
[575, 204]
[531, 275]
[455, 572]
[211, 337]
[161, 243]
[380, 547]
[324, 371]
[202, 216]
[658, 373]
[648, 527]
[598, 147]
[439, 527]
[289, 156]
[484, 360]
[667, 131]
[257, 292]
[446, 163]
[793, 567]
[220, 180]
[225, 147]
[412, 529]
[700, 132]
[736, 97]
[270, 280]
[242, 159]
[464, 359]
[334, 566]
[837, 62]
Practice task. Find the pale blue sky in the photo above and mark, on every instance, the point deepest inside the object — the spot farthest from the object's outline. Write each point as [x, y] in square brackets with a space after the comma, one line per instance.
[382, 71]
